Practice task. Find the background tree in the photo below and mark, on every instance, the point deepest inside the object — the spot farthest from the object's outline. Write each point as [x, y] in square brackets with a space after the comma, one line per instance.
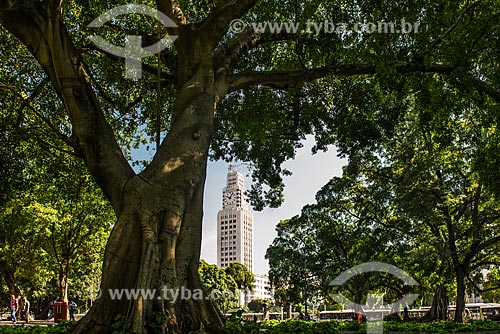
[491, 288]
[257, 305]
[221, 287]
[40, 183]
[421, 188]
[207, 86]
[342, 230]
[243, 277]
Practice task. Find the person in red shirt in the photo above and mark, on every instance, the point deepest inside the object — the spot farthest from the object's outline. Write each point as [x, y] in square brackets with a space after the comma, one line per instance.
[14, 305]
[360, 316]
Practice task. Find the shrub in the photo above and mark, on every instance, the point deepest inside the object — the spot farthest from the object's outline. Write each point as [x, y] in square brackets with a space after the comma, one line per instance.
[61, 328]
[334, 327]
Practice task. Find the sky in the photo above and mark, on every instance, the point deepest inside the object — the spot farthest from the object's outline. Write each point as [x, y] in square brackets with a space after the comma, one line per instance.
[310, 173]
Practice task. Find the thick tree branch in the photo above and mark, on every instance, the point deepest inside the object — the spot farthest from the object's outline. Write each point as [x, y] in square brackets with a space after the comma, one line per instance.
[228, 55]
[483, 264]
[287, 79]
[487, 89]
[481, 290]
[220, 19]
[173, 10]
[488, 243]
[32, 96]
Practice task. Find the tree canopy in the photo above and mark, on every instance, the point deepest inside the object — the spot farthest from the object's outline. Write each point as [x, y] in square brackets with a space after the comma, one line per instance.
[243, 277]
[418, 199]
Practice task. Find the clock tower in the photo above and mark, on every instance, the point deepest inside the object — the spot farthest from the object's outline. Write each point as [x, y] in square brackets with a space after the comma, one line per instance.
[234, 224]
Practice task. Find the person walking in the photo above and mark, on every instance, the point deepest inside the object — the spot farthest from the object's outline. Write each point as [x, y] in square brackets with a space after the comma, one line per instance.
[72, 310]
[24, 305]
[14, 305]
[51, 309]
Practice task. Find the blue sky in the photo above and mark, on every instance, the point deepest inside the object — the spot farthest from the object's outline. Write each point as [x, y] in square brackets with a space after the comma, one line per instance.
[310, 173]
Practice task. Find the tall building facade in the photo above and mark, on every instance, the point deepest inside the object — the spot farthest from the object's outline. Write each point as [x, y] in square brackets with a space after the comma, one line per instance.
[234, 224]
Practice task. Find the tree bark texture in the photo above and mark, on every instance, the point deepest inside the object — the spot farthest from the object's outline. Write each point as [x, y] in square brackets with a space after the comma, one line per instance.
[460, 300]
[63, 282]
[9, 278]
[156, 242]
[439, 307]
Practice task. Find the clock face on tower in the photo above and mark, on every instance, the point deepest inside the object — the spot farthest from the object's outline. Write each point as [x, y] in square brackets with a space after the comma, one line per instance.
[229, 198]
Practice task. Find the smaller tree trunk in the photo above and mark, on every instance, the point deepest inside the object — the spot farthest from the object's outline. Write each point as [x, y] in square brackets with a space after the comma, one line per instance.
[10, 280]
[460, 301]
[288, 308]
[63, 286]
[406, 314]
[265, 312]
[306, 313]
[439, 308]
[63, 282]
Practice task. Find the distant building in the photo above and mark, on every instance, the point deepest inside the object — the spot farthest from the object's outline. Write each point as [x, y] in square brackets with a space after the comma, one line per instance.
[262, 289]
[234, 224]
[235, 234]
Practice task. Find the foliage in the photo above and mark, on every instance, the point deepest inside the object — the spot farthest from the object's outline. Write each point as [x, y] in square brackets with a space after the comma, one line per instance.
[221, 287]
[443, 327]
[61, 328]
[491, 288]
[334, 327]
[242, 276]
[257, 305]
[301, 327]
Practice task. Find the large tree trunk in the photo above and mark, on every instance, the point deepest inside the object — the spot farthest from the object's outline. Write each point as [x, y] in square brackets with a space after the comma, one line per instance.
[439, 308]
[156, 242]
[154, 246]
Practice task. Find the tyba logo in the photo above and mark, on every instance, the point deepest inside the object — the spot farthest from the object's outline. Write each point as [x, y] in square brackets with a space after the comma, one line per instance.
[133, 52]
[374, 328]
